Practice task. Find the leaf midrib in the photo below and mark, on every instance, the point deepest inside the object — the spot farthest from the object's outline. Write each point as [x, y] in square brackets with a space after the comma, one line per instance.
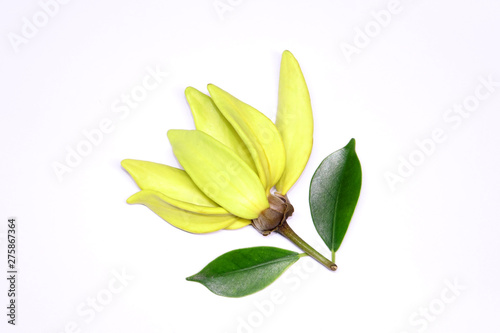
[253, 267]
[337, 200]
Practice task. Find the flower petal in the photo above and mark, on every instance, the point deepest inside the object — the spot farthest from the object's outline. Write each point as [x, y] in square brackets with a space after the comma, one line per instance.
[294, 121]
[258, 133]
[208, 119]
[238, 224]
[180, 218]
[168, 180]
[219, 173]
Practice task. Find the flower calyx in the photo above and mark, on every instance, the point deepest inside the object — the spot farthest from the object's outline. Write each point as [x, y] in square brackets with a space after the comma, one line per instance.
[280, 209]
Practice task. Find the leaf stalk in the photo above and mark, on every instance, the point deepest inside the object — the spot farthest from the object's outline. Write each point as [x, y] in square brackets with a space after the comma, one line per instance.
[287, 232]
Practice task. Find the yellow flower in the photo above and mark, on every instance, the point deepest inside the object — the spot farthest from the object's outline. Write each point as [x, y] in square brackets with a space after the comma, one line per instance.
[233, 159]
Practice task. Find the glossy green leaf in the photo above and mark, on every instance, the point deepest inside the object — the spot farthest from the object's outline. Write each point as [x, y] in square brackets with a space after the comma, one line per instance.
[243, 272]
[333, 194]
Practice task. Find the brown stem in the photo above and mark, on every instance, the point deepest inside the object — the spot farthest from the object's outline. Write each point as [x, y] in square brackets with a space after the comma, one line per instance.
[287, 232]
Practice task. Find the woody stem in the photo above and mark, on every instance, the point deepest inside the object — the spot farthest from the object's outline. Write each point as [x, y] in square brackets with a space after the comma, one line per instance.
[287, 232]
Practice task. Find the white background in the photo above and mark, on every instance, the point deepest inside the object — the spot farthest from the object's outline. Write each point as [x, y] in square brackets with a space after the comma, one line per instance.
[436, 226]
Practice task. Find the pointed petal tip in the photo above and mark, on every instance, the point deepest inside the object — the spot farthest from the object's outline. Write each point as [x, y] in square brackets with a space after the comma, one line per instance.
[124, 163]
[171, 134]
[175, 134]
[128, 164]
[192, 92]
[132, 199]
[189, 90]
[212, 87]
[287, 55]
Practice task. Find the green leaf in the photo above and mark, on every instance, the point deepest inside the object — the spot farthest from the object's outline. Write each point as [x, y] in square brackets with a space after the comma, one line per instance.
[243, 272]
[333, 194]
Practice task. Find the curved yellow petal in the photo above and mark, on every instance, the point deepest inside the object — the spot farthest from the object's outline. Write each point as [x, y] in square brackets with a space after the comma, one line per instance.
[208, 119]
[258, 133]
[238, 224]
[195, 208]
[219, 173]
[168, 180]
[180, 218]
[294, 121]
